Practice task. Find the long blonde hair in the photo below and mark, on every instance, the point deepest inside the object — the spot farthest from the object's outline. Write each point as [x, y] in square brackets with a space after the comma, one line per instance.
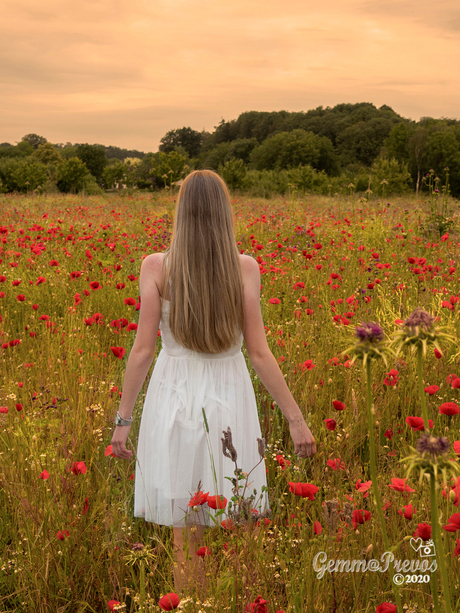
[201, 268]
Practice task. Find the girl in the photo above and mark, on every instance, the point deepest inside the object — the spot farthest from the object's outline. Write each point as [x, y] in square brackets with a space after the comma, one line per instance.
[205, 297]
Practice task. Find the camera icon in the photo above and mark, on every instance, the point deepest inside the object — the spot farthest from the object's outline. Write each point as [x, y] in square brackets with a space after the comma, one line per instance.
[427, 549]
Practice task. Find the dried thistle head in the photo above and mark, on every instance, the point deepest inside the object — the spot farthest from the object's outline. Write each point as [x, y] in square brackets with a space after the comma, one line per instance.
[261, 447]
[348, 512]
[228, 449]
[419, 330]
[331, 517]
[420, 319]
[432, 445]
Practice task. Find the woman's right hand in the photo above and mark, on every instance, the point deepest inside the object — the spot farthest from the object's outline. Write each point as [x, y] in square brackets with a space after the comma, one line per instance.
[303, 439]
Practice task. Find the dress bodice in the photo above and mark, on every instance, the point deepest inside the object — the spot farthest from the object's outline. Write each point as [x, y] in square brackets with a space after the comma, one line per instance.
[172, 348]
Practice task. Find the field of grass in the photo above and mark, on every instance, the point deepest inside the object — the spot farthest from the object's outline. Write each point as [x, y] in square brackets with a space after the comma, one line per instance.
[69, 293]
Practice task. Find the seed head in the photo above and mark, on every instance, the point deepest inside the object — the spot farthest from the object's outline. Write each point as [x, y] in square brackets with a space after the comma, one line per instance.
[420, 319]
[370, 332]
[228, 449]
[433, 445]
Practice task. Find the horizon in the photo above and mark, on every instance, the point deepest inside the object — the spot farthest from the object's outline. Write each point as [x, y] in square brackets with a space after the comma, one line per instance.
[128, 71]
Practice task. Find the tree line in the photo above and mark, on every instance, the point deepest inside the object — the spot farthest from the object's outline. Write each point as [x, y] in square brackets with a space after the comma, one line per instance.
[350, 147]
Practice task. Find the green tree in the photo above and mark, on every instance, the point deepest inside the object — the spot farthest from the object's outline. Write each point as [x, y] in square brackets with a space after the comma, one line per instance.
[443, 151]
[94, 158]
[21, 150]
[390, 176]
[289, 149]
[114, 174]
[72, 175]
[233, 172]
[47, 153]
[241, 148]
[189, 139]
[397, 143]
[34, 140]
[22, 174]
[168, 168]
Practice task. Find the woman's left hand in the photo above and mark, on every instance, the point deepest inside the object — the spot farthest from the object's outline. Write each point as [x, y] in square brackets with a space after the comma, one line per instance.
[119, 438]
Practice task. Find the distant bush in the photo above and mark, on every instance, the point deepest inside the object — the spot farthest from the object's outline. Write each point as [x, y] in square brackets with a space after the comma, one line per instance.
[233, 172]
[22, 174]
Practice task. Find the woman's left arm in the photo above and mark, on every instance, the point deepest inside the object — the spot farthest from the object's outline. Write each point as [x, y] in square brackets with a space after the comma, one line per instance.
[143, 350]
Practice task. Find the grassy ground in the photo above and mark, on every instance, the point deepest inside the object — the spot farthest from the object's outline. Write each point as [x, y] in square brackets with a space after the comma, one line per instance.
[66, 523]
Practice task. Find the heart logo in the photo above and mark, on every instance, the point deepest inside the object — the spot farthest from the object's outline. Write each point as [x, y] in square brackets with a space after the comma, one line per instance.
[415, 543]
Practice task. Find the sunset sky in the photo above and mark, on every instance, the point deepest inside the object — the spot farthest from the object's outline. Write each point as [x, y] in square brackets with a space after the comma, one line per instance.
[124, 72]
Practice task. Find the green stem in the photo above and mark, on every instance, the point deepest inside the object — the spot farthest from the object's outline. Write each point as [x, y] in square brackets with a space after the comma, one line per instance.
[439, 550]
[375, 488]
[420, 388]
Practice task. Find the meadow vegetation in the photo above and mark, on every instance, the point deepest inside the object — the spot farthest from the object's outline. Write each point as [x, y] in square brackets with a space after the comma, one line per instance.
[69, 301]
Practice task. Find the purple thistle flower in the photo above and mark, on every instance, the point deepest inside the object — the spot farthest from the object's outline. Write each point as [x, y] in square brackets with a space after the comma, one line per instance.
[433, 445]
[371, 332]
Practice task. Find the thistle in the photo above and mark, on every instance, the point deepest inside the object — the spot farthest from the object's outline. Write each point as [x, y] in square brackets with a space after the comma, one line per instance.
[370, 345]
[420, 331]
[429, 459]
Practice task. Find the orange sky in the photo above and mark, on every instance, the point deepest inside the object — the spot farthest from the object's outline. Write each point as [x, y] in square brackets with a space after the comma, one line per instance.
[124, 72]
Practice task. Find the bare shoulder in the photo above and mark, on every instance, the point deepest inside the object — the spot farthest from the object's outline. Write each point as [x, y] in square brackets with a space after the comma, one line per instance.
[249, 266]
[153, 264]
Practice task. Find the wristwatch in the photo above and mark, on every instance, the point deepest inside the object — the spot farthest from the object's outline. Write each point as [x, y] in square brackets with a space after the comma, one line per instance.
[120, 421]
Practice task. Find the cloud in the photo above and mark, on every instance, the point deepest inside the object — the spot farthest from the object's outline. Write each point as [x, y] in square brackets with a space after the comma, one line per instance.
[109, 67]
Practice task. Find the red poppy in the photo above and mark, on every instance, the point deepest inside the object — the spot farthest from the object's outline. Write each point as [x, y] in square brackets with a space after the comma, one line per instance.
[454, 523]
[306, 490]
[456, 383]
[424, 531]
[317, 527]
[407, 511]
[78, 468]
[203, 551]
[131, 326]
[129, 301]
[449, 408]
[330, 424]
[198, 499]
[44, 475]
[457, 447]
[217, 502]
[112, 604]
[416, 423]
[457, 548]
[227, 524]
[4, 410]
[282, 462]
[118, 352]
[274, 301]
[318, 246]
[386, 607]
[21, 297]
[62, 534]
[258, 606]
[437, 354]
[431, 389]
[108, 451]
[363, 487]
[392, 378]
[400, 485]
[338, 405]
[168, 602]
[359, 517]
[336, 464]
[389, 434]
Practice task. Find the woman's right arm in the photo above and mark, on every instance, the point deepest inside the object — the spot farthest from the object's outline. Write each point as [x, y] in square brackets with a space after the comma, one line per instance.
[265, 364]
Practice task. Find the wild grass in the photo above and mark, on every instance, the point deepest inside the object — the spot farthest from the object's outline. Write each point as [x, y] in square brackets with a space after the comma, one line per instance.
[69, 539]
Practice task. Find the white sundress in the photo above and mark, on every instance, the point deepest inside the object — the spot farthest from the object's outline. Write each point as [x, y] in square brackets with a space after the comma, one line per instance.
[173, 454]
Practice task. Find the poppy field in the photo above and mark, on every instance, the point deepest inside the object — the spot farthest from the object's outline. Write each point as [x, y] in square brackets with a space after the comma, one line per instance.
[360, 300]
